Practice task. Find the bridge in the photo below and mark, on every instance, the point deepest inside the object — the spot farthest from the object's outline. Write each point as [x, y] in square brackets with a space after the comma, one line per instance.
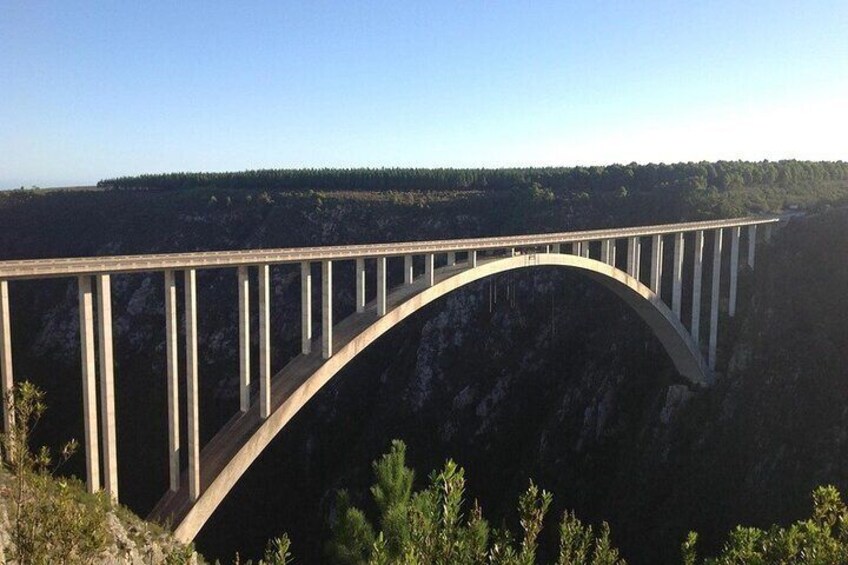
[612, 257]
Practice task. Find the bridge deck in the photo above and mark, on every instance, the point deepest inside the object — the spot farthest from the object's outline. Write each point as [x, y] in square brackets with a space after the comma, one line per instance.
[70, 267]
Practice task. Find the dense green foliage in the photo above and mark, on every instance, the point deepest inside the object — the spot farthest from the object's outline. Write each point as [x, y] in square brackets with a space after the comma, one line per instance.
[276, 553]
[54, 520]
[434, 525]
[48, 524]
[819, 540]
[722, 175]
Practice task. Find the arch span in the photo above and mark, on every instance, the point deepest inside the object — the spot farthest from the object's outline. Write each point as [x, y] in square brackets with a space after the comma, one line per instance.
[239, 442]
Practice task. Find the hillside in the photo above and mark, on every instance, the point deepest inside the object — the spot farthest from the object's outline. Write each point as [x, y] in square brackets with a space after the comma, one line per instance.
[559, 383]
[110, 533]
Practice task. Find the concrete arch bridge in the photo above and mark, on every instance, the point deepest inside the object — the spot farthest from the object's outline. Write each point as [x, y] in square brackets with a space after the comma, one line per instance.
[612, 257]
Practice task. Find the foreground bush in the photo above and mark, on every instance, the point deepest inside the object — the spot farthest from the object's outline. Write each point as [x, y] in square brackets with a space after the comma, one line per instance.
[819, 540]
[436, 526]
[50, 520]
[53, 519]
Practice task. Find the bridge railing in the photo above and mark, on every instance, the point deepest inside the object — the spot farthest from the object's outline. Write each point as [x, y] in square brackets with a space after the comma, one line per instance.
[93, 273]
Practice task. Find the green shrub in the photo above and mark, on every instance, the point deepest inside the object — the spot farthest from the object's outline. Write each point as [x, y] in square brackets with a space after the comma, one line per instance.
[52, 520]
[434, 525]
[819, 540]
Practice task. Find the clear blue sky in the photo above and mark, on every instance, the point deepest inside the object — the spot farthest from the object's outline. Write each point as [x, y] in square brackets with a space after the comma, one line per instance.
[97, 89]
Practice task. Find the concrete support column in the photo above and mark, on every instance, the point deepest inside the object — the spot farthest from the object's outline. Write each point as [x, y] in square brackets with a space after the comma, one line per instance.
[327, 309]
[557, 248]
[714, 299]
[752, 244]
[107, 386]
[472, 259]
[451, 258]
[695, 327]
[360, 285]
[381, 286]
[173, 381]
[306, 307]
[632, 242]
[192, 392]
[734, 268]
[638, 265]
[511, 252]
[606, 256]
[612, 253]
[408, 270]
[6, 375]
[264, 341]
[244, 338]
[677, 278]
[429, 269]
[656, 263]
[89, 385]
[585, 249]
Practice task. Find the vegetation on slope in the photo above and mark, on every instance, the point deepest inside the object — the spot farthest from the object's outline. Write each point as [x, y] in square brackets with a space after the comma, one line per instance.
[435, 525]
[54, 520]
[821, 539]
[582, 405]
[723, 175]
[633, 193]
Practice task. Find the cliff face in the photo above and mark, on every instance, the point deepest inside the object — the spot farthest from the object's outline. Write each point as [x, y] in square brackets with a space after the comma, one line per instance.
[540, 374]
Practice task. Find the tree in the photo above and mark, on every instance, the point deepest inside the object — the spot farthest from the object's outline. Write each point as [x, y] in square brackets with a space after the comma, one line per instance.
[49, 523]
[435, 525]
[819, 540]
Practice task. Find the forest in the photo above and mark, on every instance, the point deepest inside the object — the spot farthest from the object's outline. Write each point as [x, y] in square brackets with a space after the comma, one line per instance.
[723, 175]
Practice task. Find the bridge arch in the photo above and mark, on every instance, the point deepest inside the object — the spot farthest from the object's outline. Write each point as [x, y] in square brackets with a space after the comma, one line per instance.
[239, 442]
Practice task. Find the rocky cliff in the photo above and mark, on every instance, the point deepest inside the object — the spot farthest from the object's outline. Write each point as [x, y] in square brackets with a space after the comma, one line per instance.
[540, 374]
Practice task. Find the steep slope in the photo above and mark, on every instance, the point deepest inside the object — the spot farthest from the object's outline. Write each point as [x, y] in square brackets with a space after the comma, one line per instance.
[84, 527]
[556, 379]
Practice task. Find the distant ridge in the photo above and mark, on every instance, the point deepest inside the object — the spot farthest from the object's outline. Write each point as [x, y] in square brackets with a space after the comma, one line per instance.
[722, 175]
